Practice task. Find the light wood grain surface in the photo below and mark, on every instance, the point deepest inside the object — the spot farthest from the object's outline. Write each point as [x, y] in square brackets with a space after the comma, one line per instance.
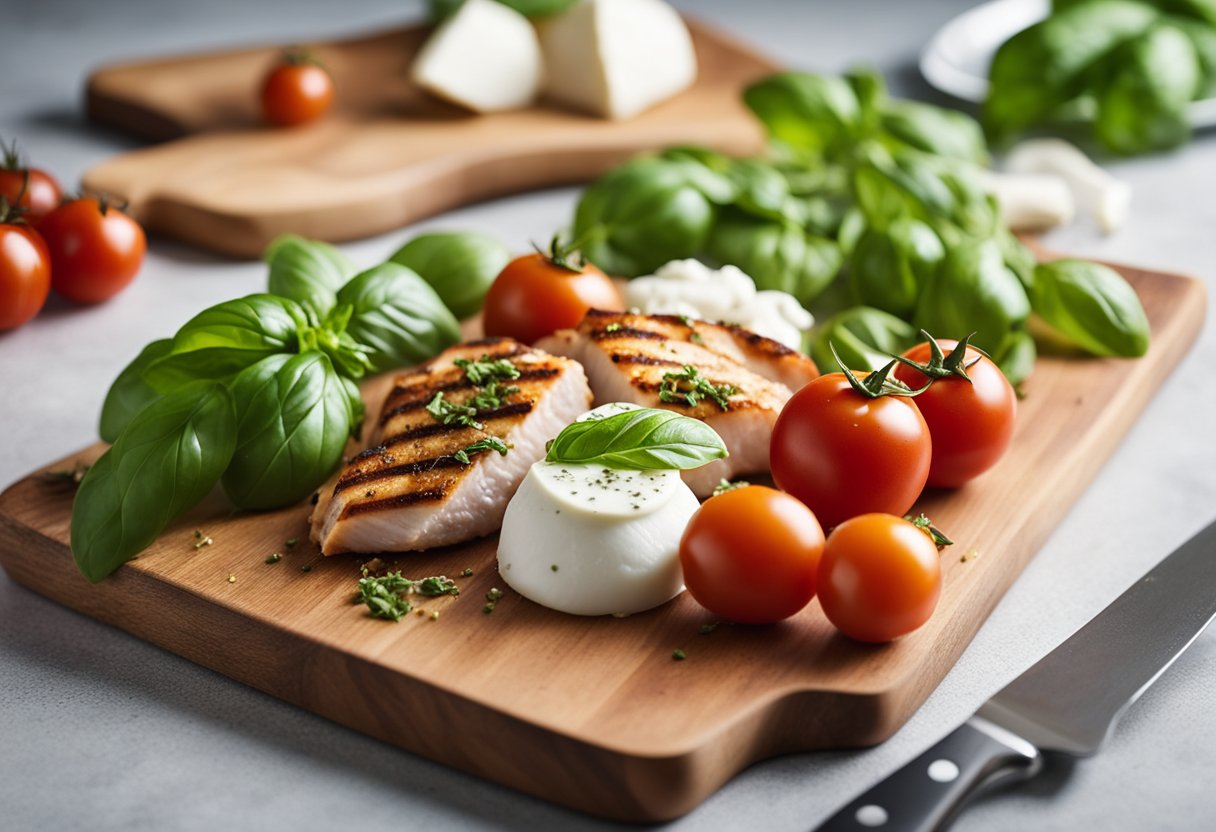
[388, 154]
[593, 712]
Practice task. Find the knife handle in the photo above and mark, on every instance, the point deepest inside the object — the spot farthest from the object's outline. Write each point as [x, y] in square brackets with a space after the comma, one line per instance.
[928, 792]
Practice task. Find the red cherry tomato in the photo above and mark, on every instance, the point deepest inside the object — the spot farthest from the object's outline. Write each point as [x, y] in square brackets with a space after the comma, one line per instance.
[844, 454]
[25, 274]
[96, 249]
[751, 554]
[30, 188]
[534, 296]
[879, 578]
[297, 90]
[971, 423]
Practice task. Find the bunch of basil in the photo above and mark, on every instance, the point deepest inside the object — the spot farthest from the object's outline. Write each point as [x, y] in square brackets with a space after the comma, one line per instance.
[886, 192]
[259, 393]
[1132, 66]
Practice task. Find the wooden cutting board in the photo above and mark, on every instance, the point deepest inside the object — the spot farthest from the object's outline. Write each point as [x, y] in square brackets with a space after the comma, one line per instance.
[388, 155]
[594, 713]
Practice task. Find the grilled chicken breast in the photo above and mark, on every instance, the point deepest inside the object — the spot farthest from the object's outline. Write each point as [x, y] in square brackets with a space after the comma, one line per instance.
[627, 358]
[410, 491]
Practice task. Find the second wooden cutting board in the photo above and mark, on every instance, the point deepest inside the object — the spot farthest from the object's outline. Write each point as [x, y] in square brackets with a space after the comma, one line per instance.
[389, 155]
[593, 712]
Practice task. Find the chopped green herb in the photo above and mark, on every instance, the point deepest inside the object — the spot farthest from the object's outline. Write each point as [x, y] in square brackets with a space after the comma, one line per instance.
[491, 396]
[614, 327]
[706, 629]
[695, 337]
[553, 567]
[488, 608]
[726, 485]
[201, 540]
[290, 542]
[926, 525]
[487, 369]
[679, 655]
[468, 573]
[689, 386]
[448, 413]
[494, 595]
[438, 585]
[306, 567]
[384, 597]
[687, 321]
[490, 443]
[275, 558]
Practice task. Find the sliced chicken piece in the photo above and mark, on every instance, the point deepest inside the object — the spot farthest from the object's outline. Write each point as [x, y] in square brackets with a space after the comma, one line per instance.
[409, 490]
[627, 358]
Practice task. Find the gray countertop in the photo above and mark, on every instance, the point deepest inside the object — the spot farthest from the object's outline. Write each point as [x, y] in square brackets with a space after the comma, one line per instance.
[99, 730]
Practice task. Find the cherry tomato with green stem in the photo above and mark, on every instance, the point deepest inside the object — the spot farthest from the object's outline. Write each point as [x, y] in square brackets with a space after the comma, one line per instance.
[538, 294]
[297, 90]
[751, 555]
[970, 408]
[847, 444]
[31, 189]
[879, 578]
[96, 249]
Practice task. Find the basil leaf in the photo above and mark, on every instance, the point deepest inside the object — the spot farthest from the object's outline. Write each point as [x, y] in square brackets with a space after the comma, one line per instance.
[1049, 63]
[1144, 105]
[935, 130]
[1092, 305]
[648, 212]
[973, 291]
[129, 394]
[639, 440]
[1017, 357]
[307, 271]
[226, 338]
[164, 462]
[816, 115]
[889, 187]
[1018, 257]
[865, 338]
[888, 267]
[293, 419]
[441, 9]
[398, 316]
[776, 255]
[459, 266]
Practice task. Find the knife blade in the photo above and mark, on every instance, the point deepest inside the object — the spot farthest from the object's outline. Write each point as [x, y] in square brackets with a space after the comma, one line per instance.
[1067, 703]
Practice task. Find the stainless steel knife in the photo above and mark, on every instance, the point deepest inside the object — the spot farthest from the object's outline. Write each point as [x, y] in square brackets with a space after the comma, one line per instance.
[1065, 704]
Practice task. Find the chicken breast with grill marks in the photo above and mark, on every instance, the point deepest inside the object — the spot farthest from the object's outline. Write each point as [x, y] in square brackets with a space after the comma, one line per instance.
[627, 357]
[410, 489]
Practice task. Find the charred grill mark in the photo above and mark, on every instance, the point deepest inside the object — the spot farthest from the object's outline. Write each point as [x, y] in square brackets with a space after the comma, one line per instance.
[413, 498]
[640, 358]
[439, 429]
[759, 343]
[603, 334]
[425, 392]
[355, 478]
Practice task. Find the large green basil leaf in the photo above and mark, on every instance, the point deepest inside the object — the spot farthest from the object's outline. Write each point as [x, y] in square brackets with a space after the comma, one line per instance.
[458, 265]
[129, 393]
[221, 341]
[397, 316]
[936, 130]
[776, 255]
[973, 291]
[813, 114]
[1017, 357]
[165, 461]
[1144, 106]
[1048, 64]
[639, 440]
[1203, 39]
[307, 271]
[888, 267]
[1018, 257]
[865, 339]
[648, 212]
[293, 420]
[905, 184]
[1092, 305]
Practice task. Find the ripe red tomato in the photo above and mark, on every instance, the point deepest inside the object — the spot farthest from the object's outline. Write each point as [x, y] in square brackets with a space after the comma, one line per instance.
[25, 274]
[751, 554]
[96, 249]
[296, 90]
[534, 296]
[844, 454]
[38, 195]
[879, 578]
[971, 423]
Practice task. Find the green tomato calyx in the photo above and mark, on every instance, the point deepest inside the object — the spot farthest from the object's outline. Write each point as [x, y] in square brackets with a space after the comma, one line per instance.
[941, 365]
